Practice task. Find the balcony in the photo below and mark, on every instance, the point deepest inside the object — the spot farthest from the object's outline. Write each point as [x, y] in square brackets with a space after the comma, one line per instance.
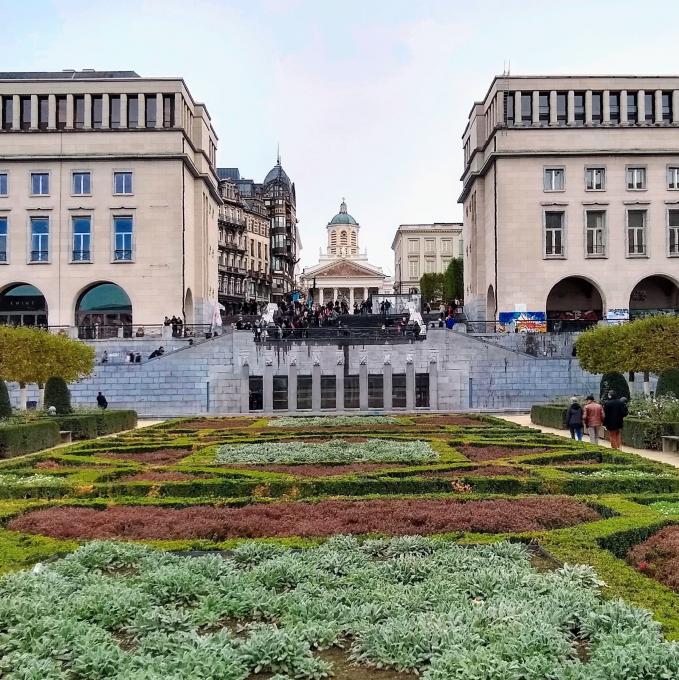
[231, 222]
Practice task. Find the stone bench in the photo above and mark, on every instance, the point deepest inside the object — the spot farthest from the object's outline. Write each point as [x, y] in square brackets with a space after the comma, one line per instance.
[670, 444]
[66, 436]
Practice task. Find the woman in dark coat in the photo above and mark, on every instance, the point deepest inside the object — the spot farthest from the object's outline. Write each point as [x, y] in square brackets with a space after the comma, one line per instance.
[574, 419]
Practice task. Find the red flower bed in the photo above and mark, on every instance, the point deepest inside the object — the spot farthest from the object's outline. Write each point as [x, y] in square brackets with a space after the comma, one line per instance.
[169, 476]
[480, 453]
[658, 556]
[416, 516]
[319, 470]
[485, 471]
[462, 421]
[159, 457]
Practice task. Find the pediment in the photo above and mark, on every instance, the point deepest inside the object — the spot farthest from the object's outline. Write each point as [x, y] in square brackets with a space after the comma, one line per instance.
[347, 269]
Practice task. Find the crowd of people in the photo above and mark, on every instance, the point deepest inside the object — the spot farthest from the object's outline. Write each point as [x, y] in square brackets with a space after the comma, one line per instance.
[594, 415]
[177, 326]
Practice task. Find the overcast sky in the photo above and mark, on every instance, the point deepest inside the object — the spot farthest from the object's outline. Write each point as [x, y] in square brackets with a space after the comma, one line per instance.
[367, 98]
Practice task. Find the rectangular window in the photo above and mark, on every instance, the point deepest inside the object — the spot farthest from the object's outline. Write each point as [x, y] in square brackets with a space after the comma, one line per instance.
[554, 236]
[596, 232]
[352, 398]
[422, 390]
[526, 108]
[61, 112]
[579, 108]
[672, 178]
[554, 179]
[168, 110]
[446, 245]
[597, 107]
[280, 393]
[150, 110]
[667, 107]
[398, 390]
[636, 179]
[413, 245]
[79, 111]
[114, 110]
[122, 182]
[429, 245]
[632, 112]
[132, 111]
[82, 183]
[40, 238]
[40, 183]
[4, 184]
[43, 112]
[375, 390]
[543, 101]
[304, 387]
[649, 107]
[561, 107]
[328, 392]
[256, 388]
[7, 113]
[413, 269]
[673, 229]
[97, 112]
[24, 113]
[122, 238]
[636, 232]
[614, 106]
[429, 265]
[509, 108]
[595, 179]
[3, 239]
[82, 238]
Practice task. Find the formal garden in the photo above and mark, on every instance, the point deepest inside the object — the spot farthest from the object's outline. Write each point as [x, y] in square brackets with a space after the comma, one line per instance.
[371, 548]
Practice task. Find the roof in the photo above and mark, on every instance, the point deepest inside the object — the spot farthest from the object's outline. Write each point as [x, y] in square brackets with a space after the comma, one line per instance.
[343, 217]
[66, 74]
[229, 173]
[277, 174]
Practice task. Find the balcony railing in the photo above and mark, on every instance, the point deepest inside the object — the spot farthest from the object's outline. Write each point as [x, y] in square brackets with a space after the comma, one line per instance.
[81, 256]
[122, 255]
[40, 255]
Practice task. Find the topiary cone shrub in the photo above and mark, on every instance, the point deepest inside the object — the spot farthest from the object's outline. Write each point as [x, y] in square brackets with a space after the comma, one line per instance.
[5, 404]
[615, 382]
[668, 383]
[58, 395]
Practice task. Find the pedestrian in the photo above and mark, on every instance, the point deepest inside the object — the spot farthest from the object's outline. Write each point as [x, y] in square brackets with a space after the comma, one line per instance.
[615, 411]
[574, 419]
[104, 357]
[593, 418]
[101, 401]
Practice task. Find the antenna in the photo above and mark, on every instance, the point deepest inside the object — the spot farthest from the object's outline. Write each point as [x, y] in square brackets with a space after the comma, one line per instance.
[278, 153]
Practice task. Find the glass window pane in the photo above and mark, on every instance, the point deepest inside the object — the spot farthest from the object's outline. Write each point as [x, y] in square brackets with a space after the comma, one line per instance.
[328, 392]
[351, 392]
[304, 388]
[132, 111]
[280, 393]
[375, 390]
[422, 390]
[3, 184]
[398, 390]
[256, 397]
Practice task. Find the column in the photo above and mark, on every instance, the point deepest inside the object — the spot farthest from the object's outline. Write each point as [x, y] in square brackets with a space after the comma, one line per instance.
[159, 110]
[517, 107]
[334, 294]
[268, 389]
[363, 386]
[88, 112]
[588, 107]
[34, 112]
[339, 387]
[606, 106]
[536, 107]
[410, 386]
[105, 112]
[571, 108]
[365, 293]
[244, 389]
[292, 388]
[141, 116]
[178, 109]
[675, 106]
[320, 296]
[69, 111]
[2, 109]
[552, 108]
[51, 112]
[387, 392]
[316, 388]
[623, 106]
[658, 106]
[433, 385]
[351, 300]
[123, 110]
[16, 112]
[641, 106]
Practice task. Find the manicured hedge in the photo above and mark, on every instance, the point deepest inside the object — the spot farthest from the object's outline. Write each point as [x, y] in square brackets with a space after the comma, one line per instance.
[109, 422]
[15, 440]
[642, 434]
[91, 425]
[549, 416]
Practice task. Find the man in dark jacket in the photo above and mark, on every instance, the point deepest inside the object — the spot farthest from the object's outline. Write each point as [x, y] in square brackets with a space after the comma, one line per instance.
[615, 411]
[574, 419]
[101, 401]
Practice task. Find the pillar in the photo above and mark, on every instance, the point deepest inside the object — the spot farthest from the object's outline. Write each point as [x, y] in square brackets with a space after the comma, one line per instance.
[88, 112]
[244, 389]
[320, 296]
[141, 116]
[387, 391]
[16, 112]
[105, 111]
[675, 106]
[351, 299]
[536, 107]
[292, 387]
[517, 107]
[34, 112]
[570, 111]
[51, 112]
[339, 387]
[641, 106]
[433, 385]
[363, 386]
[658, 106]
[552, 108]
[268, 388]
[159, 110]
[623, 106]
[123, 110]
[69, 111]
[334, 294]
[606, 106]
[410, 386]
[365, 293]
[178, 109]
[316, 387]
[588, 107]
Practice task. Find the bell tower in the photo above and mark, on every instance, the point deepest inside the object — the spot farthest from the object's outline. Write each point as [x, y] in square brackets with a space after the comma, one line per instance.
[343, 234]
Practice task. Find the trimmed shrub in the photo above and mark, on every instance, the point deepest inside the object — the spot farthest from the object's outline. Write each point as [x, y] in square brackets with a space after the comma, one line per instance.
[109, 422]
[646, 434]
[15, 440]
[668, 383]
[549, 416]
[616, 382]
[58, 395]
[5, 404]
[81, 426]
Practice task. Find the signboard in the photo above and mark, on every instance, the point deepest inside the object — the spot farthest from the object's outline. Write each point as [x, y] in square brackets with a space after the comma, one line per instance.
[522, 322]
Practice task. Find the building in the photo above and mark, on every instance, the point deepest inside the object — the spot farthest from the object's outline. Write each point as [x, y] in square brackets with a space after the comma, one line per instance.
[423, 249]
[244, 242]
[571, 198]
[108, 201]
[343, 272]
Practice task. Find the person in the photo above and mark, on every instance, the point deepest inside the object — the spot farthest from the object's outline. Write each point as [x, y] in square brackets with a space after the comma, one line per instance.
[104, 357]
[593, 418]
[574, 419]
[157, 352]
[167, 321]
[101, 401]
[615, 411]
[450, 322]
[140, 332]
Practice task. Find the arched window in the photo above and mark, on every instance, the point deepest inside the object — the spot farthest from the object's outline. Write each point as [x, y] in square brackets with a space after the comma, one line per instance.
[343, 238]
[23, 305]
[101, 310]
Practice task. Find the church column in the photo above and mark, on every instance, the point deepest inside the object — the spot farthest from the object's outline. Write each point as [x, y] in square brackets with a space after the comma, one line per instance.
[365, 293]
[334, 294]
[320, 296]
[351, 299]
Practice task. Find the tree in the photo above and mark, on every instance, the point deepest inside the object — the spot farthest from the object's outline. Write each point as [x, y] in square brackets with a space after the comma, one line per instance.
[5, 404]
[57, 395]
[431, 287]
[453, 288]
[613, 382]
[668, 383]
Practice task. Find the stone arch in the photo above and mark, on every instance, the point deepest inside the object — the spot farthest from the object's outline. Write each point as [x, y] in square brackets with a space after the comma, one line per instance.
[23, 304]
[655, 294]
[188, 307]
[491, 305]
[574, 303]
[102, 309]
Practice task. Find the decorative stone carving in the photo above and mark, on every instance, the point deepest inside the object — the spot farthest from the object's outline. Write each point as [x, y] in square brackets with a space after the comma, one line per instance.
[364, 359]
[387, 359]
[340, 358]
[293, 360]
[268, 361]
[244, 360]
[433, 357]
[317, 359]
[409, 359]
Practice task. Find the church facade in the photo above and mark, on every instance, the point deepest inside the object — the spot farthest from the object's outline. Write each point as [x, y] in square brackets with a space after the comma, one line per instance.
[343, 272]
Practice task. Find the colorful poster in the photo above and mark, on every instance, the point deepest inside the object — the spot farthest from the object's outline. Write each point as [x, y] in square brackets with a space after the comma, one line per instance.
[617, 315]
[522, 322]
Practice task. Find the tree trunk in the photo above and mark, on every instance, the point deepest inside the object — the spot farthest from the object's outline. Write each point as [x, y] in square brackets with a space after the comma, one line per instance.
[22, 396]
[41, 396]
[647, 383]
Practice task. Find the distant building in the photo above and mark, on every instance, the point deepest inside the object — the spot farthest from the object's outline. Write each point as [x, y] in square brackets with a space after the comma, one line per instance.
[108, 201]
[423, 249]
[343, 272]
[571, 198]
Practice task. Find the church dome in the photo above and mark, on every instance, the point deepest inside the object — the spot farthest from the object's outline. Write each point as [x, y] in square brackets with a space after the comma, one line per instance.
[343, 217]
[277, 174]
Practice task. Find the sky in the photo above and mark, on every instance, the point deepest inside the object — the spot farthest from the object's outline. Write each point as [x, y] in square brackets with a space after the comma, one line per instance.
[367, 99]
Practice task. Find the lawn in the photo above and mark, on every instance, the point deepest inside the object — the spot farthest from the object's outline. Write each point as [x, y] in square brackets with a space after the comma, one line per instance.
[363, 548]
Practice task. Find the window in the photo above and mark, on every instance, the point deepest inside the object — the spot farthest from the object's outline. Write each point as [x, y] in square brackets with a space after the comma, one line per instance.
[150, 110]
[398, 390]
[280, 393]
[79, 111]
[352, 397]
[413, 269]
[672, 226]
[636, 179]
[3, 239]
[43, 112]
[632, 114]
[132, 111]
[561, 107]
[97, 112]
[597, 107]
[40, 183]
[429, 265]
[82, 238]
[304, 388]
[554, 179]
[649, 107]
[509, 108]
[24, 113]
[667, 107]
[375, 390]
[636, 232]
[122, 182]
[526, 107]
[543, 103]
[4, 184]
[422, 390]
[596, 233]
[40, 236]
[256, 389]
[168, 110]
[595, 179]
[61, 112]
[445, 261]
[328, 392]
[672, 178]
[7, 113]
[446, 245]
[114, 111]
[554, 236]
[122, 238]
[614, 106]
[413, 245]
[579, 108]
[429, 245]
[82, 183]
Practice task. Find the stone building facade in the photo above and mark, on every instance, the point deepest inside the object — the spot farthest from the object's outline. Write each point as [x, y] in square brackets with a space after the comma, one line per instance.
[423, 249]
[571, 199]
[108, 201]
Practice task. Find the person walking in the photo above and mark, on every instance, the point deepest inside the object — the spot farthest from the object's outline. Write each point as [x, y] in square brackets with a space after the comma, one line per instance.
[574, 419]
[102, 403]
[615, 411]
[593, 418]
